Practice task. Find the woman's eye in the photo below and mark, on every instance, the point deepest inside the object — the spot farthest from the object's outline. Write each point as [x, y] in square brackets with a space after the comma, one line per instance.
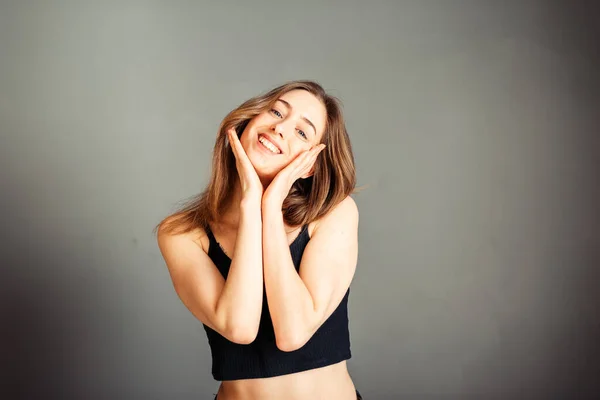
[277, 113]
[302, 133]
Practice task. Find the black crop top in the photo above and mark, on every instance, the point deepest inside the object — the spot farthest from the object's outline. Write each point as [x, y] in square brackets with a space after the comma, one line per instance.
[262, 359]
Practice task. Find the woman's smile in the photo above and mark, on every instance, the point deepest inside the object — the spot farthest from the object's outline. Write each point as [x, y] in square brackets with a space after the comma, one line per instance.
[267, 146]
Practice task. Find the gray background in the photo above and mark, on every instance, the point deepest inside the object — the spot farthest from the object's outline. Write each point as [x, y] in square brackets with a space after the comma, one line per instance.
[475, 125]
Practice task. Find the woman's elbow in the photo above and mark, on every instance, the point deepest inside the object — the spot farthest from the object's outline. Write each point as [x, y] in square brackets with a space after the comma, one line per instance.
[241, 334]
[290, 343]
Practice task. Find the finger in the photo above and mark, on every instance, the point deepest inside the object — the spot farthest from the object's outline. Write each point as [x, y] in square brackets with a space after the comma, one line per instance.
[309, 166]
[236, 146]
[306, 165]
[230, 135]
[308, 172]
[300, 158]
[239, 151]
[302, 161]
[314, 153]
[233, 137]
[294, 169]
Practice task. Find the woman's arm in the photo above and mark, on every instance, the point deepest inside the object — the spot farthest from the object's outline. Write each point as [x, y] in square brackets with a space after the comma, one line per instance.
[299, 303]
[233, 306]
[240, 304]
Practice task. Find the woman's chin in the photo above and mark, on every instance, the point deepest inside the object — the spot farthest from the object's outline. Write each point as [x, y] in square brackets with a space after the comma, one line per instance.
[264, 167]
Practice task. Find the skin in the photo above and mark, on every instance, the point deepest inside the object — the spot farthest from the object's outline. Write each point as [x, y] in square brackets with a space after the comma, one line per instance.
[299, 302]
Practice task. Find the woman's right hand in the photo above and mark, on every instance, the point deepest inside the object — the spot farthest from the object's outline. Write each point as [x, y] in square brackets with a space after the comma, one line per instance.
[252, 188]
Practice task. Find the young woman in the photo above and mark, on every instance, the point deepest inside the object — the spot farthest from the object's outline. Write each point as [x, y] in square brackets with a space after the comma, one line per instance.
[264, 257]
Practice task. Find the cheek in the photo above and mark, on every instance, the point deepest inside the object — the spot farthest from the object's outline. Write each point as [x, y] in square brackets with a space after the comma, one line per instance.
[246, 137]
[296, 151]
[259, 120]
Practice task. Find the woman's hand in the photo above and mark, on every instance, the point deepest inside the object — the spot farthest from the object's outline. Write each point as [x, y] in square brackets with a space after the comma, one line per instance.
[301, 167]
[252, 187]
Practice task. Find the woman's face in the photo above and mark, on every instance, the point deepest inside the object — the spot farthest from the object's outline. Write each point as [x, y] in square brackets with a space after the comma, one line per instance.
[276, 136]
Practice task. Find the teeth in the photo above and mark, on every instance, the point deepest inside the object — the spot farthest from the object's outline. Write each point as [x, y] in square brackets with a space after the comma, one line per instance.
[268, 145]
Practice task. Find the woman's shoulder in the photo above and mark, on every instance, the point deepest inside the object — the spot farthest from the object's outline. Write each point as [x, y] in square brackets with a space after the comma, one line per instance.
[194, 236]
[343, 212]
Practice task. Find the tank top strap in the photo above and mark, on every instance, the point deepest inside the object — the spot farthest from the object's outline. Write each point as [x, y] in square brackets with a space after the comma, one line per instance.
[304, 230]
[211, 237]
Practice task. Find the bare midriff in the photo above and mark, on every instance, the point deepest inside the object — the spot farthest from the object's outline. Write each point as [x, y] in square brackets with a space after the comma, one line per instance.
[330, 382]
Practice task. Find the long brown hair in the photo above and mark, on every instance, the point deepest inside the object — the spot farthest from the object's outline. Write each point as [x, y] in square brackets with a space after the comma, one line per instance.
[333, 180]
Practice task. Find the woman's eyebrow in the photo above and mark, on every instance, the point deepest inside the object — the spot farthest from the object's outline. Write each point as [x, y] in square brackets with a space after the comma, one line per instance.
[289, 106]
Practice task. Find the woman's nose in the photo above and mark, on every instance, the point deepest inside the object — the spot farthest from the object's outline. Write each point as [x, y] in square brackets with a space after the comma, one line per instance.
[279, 129]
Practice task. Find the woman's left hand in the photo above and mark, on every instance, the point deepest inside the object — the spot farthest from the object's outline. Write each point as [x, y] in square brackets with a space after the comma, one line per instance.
[301, 167]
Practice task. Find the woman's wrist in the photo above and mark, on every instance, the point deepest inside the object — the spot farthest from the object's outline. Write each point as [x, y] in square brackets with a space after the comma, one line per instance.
[250, 203]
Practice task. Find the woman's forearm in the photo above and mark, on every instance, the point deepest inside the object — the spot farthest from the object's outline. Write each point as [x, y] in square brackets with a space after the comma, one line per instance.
[240, 304]
[290, 303]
